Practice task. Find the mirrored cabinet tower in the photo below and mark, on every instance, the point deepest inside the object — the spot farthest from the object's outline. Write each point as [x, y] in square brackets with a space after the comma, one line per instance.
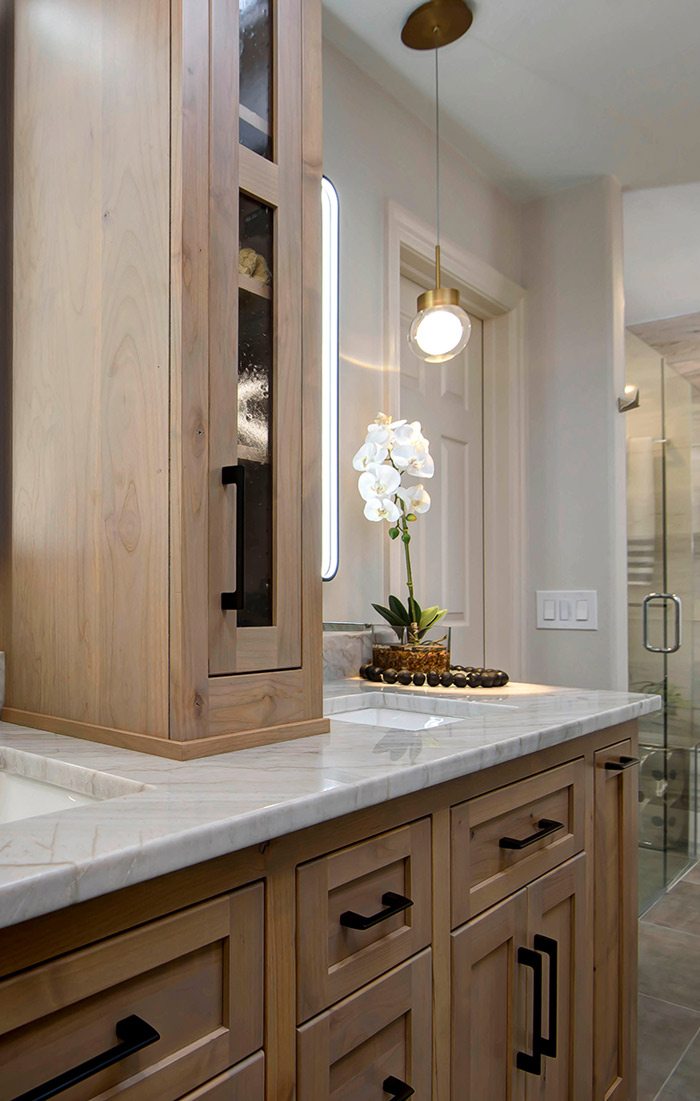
[160, 567]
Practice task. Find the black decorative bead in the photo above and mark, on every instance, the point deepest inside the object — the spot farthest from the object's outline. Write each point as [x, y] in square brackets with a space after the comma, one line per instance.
[487, 679]
[404, 677]
[364, 669]
[419, 679]
[390, 676]
[446, 680]
[458, 669]
[473, 680]
[433, 679]
[374, 673]
[460, 680]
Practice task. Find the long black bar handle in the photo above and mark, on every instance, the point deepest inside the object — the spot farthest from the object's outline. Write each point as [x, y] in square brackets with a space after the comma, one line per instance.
[622, 764]
[133, 1034]
[550, 948]
[235, 476]
[397, 1089]
[545, 826]
[395, 904]
[531, 1063]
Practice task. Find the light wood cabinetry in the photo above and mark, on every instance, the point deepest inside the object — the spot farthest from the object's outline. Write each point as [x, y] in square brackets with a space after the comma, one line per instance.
[374, 1044]
[160, 586]
[356, 984]
[616, 809]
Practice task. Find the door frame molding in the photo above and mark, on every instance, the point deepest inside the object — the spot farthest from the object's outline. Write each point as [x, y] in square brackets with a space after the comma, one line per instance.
[499, 303]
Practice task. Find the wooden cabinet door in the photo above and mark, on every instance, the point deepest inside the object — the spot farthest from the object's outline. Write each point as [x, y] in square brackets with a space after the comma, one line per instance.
[246, 1082]
[615, 894]
[560, 935]
[369, 1046]
[487, 995]
[255, 336]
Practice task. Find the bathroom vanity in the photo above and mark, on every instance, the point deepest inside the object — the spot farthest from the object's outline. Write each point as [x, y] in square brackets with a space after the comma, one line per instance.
[443, 909]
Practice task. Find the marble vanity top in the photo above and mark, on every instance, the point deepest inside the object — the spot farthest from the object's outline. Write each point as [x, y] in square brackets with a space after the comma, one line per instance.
[169, 815]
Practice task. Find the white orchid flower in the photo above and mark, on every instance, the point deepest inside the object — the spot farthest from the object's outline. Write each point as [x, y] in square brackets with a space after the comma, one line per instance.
[414, 459]
[409, 433]
[369, 453]
[378, 434]
[415, 498]
[382, 508]
[378, 481]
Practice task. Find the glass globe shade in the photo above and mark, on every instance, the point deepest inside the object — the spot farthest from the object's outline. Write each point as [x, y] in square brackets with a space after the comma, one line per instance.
[439, 333]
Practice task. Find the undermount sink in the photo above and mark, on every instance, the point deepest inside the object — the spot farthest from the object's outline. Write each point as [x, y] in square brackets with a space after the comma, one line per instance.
[414, 712]
[21, 797]
[31, 785]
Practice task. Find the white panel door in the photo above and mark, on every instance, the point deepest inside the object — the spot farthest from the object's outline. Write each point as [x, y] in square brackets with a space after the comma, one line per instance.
[448, 543]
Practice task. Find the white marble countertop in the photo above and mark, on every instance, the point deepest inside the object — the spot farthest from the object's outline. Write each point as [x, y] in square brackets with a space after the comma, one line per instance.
[155, 815]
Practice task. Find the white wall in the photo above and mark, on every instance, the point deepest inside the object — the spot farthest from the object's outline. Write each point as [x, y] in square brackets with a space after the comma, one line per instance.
[376, 151]
[575, 470]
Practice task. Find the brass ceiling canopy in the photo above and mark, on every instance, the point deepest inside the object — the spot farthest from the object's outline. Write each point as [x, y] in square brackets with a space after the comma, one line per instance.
[437, 23]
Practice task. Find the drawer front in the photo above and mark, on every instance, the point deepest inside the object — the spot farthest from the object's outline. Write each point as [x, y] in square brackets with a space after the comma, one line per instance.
[335, 958]
[489, 859]
[182, 975]
[246, 1082]
[382, 1032]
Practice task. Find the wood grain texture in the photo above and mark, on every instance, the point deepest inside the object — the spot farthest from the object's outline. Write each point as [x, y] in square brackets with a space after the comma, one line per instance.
[90, 438]
[333, 960]
[7, 38]
[483, 872]
[181, 974]
[615, 903]
[384, 1029]
[246, 1082]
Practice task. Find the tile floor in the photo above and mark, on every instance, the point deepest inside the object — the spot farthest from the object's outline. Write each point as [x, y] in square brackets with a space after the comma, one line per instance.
[669, 995]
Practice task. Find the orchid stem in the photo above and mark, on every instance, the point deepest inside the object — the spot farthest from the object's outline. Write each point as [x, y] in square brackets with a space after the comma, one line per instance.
[413, 626]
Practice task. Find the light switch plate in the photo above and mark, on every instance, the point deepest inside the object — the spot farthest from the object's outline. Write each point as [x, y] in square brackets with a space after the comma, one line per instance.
[567, 610]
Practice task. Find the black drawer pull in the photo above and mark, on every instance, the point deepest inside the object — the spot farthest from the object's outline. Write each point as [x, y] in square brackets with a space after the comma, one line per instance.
[532, 1063]
[395, 904]
[622, 764]
[397, 1089]
[545, 826]
[550, 948]
[133, 1034]
[235, 476]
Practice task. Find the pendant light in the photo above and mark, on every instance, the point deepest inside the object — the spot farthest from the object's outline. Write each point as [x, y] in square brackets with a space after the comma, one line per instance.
[441, 328]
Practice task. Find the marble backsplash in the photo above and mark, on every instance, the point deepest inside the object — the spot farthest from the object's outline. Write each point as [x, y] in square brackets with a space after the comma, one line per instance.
[344, 651]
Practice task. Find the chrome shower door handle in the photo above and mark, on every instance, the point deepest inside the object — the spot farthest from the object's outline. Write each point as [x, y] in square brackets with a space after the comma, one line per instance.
[678, 609]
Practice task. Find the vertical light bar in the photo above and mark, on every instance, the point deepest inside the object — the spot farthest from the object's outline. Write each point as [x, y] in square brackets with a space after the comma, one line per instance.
[329, 398]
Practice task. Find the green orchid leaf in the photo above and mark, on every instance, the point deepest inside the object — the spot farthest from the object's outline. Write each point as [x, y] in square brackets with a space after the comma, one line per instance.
[389, 616]
[401, 613]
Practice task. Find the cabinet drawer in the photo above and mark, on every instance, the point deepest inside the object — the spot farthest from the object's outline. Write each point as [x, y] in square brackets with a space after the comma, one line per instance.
[503, 840]
[367, 880]
[383, 1031]
[246, 1082]
[182, 975]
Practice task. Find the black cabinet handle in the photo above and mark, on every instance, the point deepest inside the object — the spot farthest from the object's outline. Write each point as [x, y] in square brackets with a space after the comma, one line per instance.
[397, 1089]
[395, 904]
[545, 826]
[550, 948]
[532, 1063]
[235, 476]
[133, 1034]
[622, 764]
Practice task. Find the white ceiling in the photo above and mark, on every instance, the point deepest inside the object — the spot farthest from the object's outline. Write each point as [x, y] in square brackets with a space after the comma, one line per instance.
[662, 252]
[541, 94]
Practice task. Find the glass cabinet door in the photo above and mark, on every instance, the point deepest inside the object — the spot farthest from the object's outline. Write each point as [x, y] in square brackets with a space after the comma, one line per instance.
[255, 337]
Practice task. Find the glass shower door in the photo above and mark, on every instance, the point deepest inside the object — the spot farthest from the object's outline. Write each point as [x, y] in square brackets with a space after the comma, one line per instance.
[660, 498]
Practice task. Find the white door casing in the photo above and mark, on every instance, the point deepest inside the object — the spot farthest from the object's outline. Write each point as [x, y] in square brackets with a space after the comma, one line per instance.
[499, 302]
[448, 542]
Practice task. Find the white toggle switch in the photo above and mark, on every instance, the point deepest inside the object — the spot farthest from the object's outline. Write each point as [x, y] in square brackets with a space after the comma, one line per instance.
[575, 610]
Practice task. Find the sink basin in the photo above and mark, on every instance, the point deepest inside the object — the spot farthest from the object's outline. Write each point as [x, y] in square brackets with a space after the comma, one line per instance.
[393, 717]
[21, 797]
[414, 712]
[32, 785]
